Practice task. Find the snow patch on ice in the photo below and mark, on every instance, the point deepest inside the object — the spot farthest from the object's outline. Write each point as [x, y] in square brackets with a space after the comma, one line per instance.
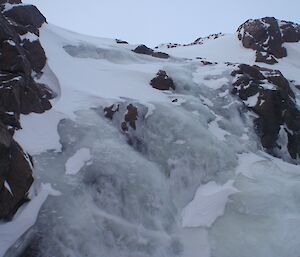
[208, 204]
[76, 162]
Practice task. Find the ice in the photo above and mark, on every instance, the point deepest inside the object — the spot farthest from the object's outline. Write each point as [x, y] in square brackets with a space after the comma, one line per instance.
[24, 219]
[217, 131]
[262, 219]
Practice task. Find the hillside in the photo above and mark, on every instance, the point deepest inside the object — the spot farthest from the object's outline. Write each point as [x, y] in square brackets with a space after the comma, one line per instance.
[181, 150]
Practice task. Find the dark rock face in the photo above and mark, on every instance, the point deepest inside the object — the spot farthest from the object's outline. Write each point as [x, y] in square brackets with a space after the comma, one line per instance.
[142, 49]
[27, 18]
[268, 94]
[10, 1]
[162, 81]
[119, 41]
[266, 37]
[21, 55]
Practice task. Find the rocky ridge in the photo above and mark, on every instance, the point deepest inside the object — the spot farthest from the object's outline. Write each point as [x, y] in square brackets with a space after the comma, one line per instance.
[266, 36]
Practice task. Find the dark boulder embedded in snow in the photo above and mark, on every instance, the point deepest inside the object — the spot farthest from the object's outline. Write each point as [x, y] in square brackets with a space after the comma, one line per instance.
[21, 56]
[266, 36]
[268, 94]
[142, 49]
[162, 81]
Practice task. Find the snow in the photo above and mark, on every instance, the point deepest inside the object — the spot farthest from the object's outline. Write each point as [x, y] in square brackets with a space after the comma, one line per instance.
[7, 186]
[252, 100]
[39, 132]
[223, 49]
[246, 162]
[29, 36]
[11, 42]
[75, 163]
[24, 219]
[102, 78]
[208, 204]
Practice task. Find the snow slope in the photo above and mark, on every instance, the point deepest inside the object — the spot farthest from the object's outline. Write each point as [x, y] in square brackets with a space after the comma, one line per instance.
[198, 185]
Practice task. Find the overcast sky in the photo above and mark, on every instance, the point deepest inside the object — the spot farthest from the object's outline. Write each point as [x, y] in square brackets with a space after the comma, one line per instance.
[161, 21]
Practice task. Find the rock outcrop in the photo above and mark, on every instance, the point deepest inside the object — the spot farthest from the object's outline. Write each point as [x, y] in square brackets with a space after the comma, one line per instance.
[268, 94]
[142, 49]
[266, 36]
[162, 81]
[198, 41]
[21, 58]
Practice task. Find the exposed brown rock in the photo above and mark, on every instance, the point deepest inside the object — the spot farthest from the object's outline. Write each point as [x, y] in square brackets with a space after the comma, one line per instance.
[162, 81]
[110, 111]
[19, 94]
[130, 117]
[142, 49]
[26, 15]
[10, 1]
[266, 37]
[126, 115]
[275, 106]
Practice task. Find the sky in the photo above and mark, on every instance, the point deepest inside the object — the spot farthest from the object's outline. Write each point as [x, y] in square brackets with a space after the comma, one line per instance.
[161, 21]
